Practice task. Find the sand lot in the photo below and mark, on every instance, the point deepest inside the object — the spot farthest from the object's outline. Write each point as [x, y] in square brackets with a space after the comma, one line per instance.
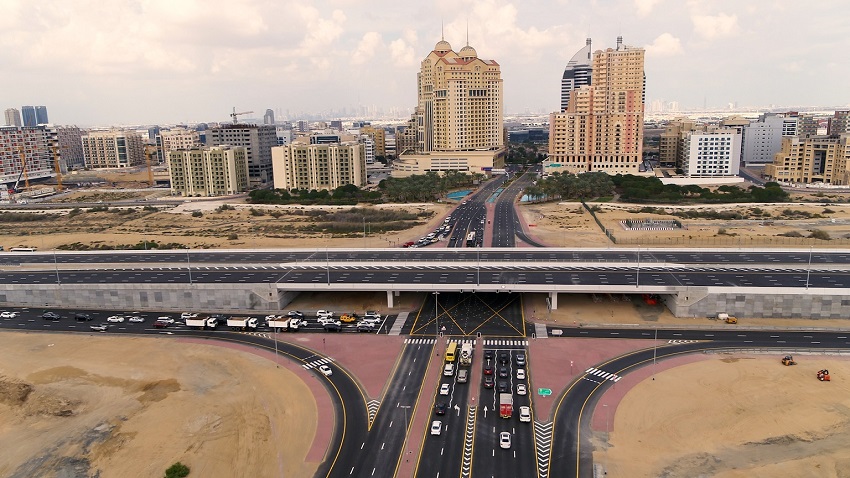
[79, 406]
[734, 417]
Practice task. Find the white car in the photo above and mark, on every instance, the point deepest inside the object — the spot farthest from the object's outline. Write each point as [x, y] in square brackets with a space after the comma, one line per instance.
[328, 320]
[324, 314]
[504, 440]
[525, 414]
[166, 319]
[520, 389]
[136, 319]
[444, 389]
[449, 370]
[436, 427]
[520, 374]
[8, 315]
[326, 371]
[115, 318]
[371, 315]
[188, 315]
[273, 317]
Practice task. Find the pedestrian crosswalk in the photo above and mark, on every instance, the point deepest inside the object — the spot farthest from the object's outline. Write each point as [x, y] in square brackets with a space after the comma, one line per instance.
[258, 334]
[681, 341]
[462, 341]
[505, 343]
[603, 374]
[316, 363]
[420, 341]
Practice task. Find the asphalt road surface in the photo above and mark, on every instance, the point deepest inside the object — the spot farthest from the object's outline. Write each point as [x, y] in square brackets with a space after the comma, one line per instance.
[468, 314]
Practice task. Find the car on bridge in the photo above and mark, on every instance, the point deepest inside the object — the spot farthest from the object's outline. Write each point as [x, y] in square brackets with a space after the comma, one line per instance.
[136, 319]
[50, 316]
[8, 315]
[80, 317]
[168, 320]
[161, 324]
[115, 318]
[99, 328]
[295, 314]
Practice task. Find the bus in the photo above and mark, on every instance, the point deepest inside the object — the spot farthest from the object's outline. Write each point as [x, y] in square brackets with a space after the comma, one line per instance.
[470, 239]
[22, 249]
[451, 352]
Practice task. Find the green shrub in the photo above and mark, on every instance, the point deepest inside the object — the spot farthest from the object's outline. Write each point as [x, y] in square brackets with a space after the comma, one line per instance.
[820, 234]
[197, 214]
[177, 470]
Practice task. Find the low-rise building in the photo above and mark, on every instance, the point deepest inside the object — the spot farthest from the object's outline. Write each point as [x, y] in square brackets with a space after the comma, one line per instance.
[305, 164]
[812, 159]
[113, 149]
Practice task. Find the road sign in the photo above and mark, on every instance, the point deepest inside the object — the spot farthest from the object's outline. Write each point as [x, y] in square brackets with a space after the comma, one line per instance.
[544, 392]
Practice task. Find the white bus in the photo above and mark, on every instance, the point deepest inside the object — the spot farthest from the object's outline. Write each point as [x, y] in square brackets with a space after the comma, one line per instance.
[22, 249]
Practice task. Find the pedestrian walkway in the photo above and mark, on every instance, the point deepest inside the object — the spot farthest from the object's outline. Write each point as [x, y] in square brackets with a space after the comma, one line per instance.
[398, 324]
[420, 341]
[540, 331]
[505, 343]
[316, 363]
[603, 374]
[462, 341]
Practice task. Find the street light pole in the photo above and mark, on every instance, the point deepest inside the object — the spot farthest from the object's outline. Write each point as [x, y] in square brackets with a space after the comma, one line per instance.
[56, 265]
[328, 265]
[189, 263]
[637, 278]
[809, 270]
[437, 312]
[478, 253]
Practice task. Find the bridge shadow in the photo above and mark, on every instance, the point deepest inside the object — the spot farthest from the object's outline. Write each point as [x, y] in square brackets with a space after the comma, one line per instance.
[494, 314]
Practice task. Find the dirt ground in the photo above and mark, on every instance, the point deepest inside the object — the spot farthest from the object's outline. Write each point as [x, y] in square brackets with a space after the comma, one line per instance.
[77, 405]
[734, 417]
[570, 225]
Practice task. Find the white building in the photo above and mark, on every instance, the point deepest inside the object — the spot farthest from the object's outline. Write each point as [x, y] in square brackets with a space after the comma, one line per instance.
[762, 139]
[712, 154]
[368, 148]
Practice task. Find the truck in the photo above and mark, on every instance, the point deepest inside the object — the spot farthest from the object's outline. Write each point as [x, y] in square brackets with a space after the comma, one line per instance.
[242, 323]
[466, 354]
[202, 322]
[506, 405]
[281, 323]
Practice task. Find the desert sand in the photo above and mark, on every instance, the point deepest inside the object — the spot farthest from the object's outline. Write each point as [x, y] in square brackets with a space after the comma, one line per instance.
[733, 417]
[83, 405]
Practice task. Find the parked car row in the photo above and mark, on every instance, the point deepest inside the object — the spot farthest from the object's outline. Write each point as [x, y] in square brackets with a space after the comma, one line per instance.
[439, 234]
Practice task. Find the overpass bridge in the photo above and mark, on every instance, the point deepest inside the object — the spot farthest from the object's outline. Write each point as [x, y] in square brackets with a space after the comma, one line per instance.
[690, 282]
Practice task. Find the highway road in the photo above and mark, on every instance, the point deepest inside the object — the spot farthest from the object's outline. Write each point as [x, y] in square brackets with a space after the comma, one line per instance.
[470, 215]
[383, 449]
[432, 277]
[350, 413]
[506, 223]
[572, 450]
[230, 257]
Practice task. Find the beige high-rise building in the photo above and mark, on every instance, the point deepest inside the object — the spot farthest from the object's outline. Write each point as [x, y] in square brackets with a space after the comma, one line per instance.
[178, 138]
[812, 159]
[209, 171]
[379, 137]
[671, 145]
[302, 165]
[113, 149]
[602, 127]
[460, 110]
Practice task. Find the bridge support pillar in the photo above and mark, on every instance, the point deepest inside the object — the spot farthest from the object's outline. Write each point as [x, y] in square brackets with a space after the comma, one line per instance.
[553, 300]
[390, 300]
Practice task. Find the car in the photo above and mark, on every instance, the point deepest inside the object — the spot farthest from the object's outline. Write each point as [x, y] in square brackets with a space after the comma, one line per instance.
[347, 318]
[115, 318]
[436, 427]
[488, 370]
[488, 355]
[295, 314]
[188, 315]
[444, 389]
[8, 315]
[165, 319]
[488, 381]
[505, 440]
[161, 324]
[326, 371]
[273, 317]
[525, 414]
[440, 408]
[136, 319]
[520, 374]
[80, 317]
[372, 315]
[326, 320]
[504, 358]
[99, 328]
[462, 376]
[503, 386]
[503, 372]
[364, 326]
[520, 358]
[333, 326]
[50, 316]
[449, 370]
[520, 389]
[324, 314]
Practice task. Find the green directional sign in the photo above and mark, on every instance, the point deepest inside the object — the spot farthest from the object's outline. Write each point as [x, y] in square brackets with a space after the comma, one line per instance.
[544, 392]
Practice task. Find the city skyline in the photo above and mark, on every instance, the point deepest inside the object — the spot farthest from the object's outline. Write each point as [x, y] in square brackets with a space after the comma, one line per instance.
[158, 62]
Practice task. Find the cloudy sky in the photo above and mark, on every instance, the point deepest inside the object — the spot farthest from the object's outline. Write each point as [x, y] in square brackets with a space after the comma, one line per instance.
[99, 62]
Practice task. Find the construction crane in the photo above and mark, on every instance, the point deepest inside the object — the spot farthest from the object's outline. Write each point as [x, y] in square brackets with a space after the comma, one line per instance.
[23, 172]
[234, 115]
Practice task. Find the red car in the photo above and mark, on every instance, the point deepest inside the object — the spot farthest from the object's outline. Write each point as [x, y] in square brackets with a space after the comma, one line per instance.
[408, 244]
[488, 370]
[160, 324]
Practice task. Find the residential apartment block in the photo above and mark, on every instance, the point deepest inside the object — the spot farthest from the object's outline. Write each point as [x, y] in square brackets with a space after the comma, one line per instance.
[812, 159]
[71, 147]
[602, 127]
[379, 138]
[13, 117]
[113, 149]
[712, 153]
[208, 171]
[177, 139]
[27, 153]
[763, 138]
[459, 112]
[257, 141]
[304, 164]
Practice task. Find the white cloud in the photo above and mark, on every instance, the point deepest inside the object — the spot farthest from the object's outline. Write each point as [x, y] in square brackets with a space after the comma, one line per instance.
[664, 45]
[715, 26]
[402, 53]
[645, 7]
[366, 49]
